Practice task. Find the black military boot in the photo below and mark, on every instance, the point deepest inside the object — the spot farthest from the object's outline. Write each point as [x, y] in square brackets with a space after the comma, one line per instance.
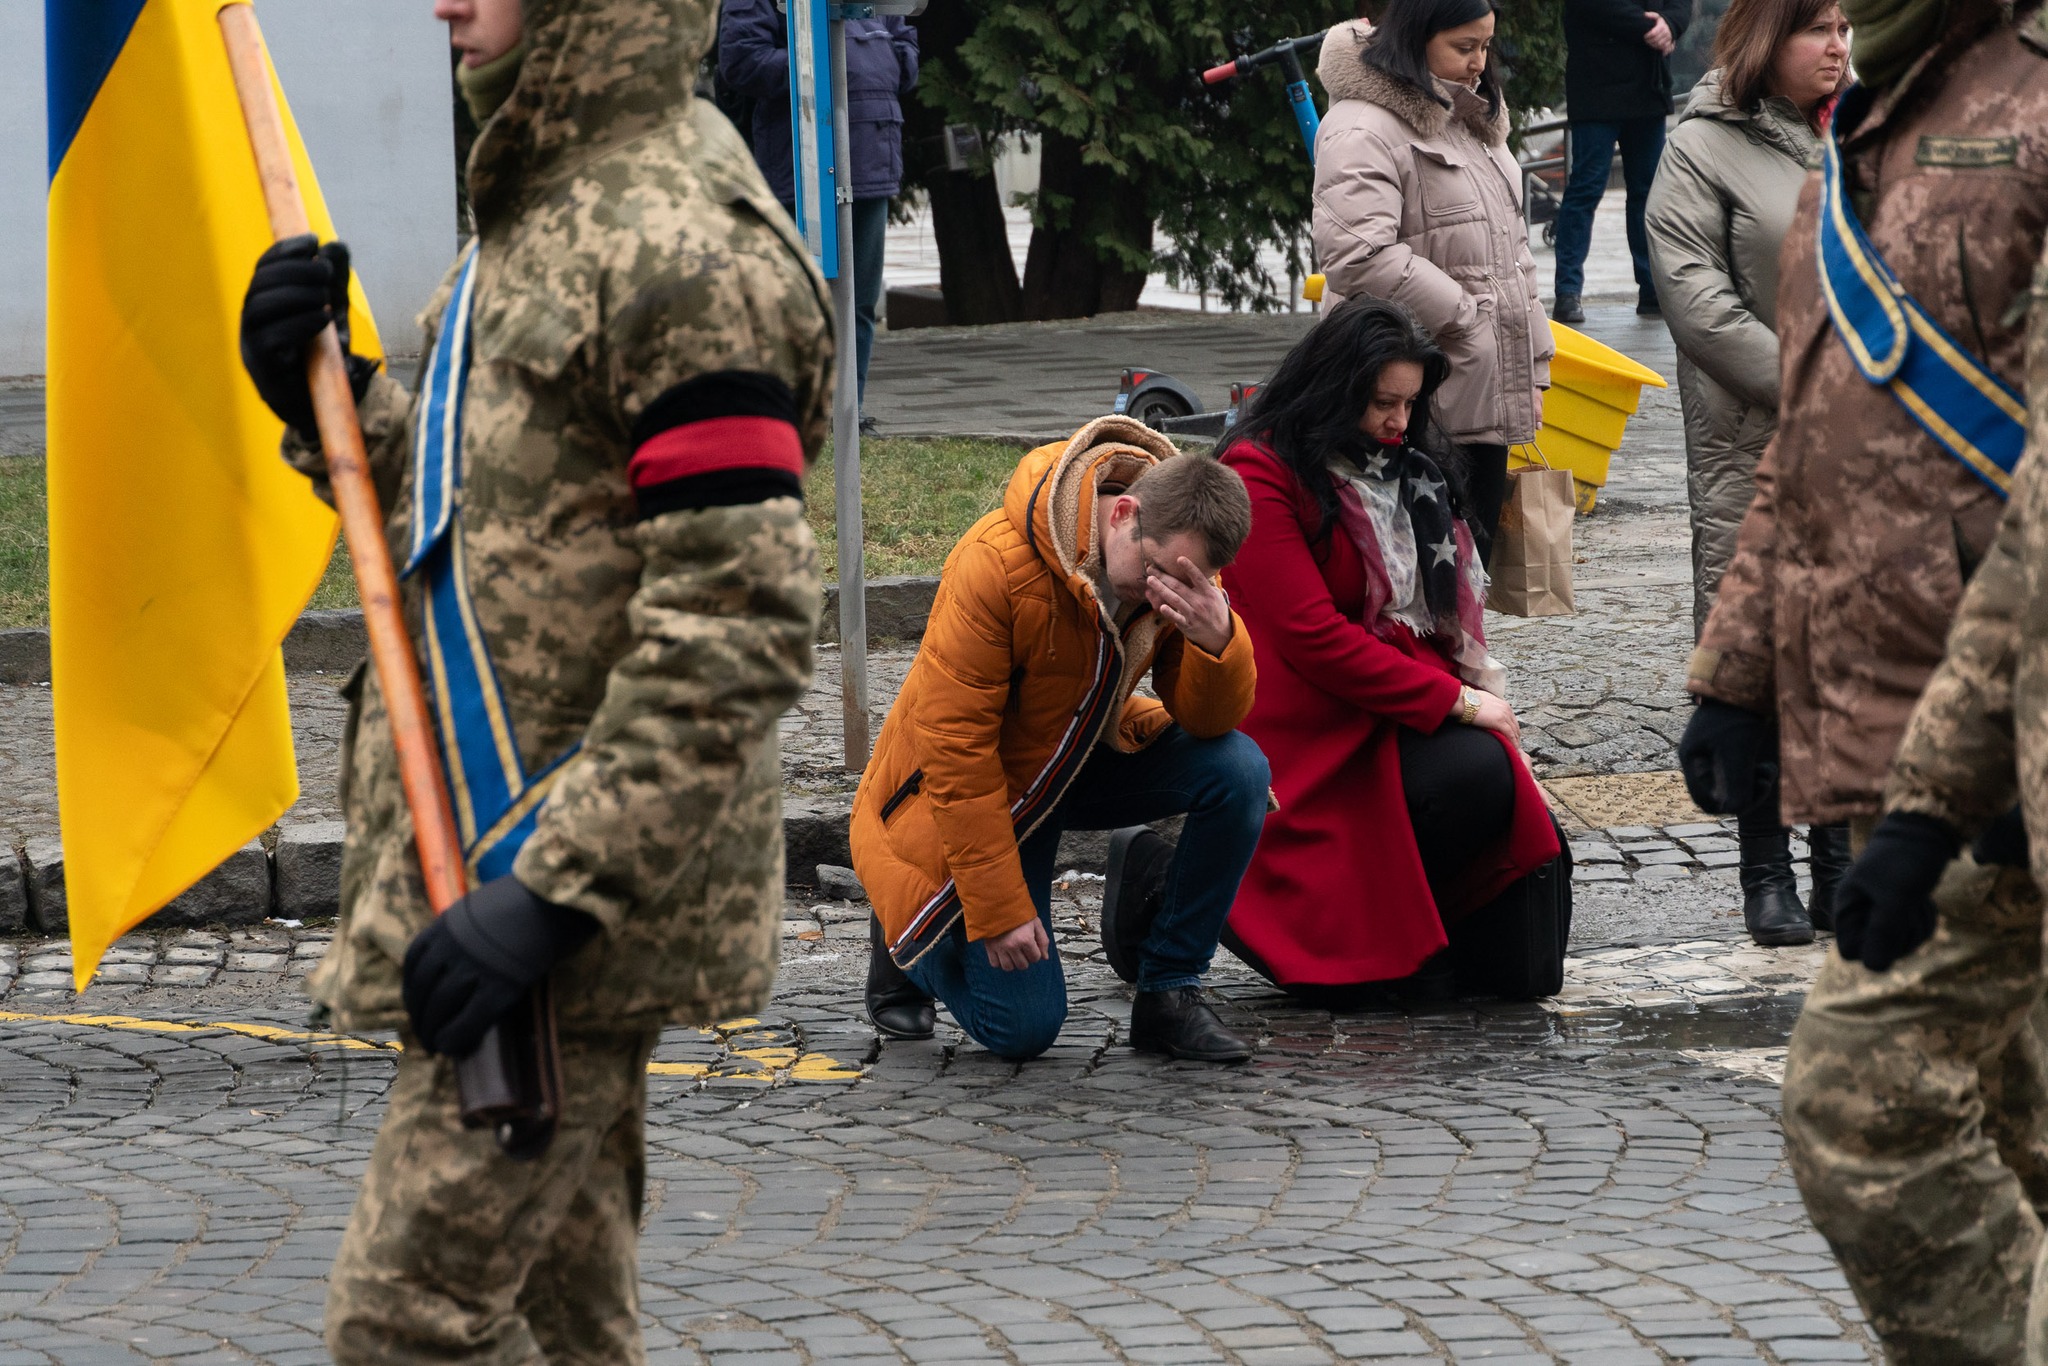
[1567, 309]
[1139, 860]
[1180, 1024]
[897, 1005]
[1770, 893]
[1828, 856]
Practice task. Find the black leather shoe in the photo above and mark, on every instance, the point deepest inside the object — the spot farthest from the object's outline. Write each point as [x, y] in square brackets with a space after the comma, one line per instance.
[1567, 310]
[897, 1006]
[1180, 1024]
[1829, 859]
[1648, 307]
[1771, 910]
[1139, 860]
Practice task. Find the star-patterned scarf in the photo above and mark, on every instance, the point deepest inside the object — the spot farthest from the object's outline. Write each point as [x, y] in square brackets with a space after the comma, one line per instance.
[1423, 573]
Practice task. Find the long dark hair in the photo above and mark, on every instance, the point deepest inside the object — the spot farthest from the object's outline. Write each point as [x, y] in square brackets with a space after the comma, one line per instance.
[1308, 412]
[1400, 45]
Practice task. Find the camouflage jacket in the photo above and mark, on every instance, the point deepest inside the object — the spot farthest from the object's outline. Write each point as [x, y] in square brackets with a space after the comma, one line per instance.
[635, 284]
[1853, 554]
[1979, 738]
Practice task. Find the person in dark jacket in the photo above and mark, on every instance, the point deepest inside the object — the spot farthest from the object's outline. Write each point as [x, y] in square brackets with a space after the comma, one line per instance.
[1617, 90]
[881, 68]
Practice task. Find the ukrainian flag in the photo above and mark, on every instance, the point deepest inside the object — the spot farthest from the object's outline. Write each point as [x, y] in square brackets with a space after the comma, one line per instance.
[181, 547]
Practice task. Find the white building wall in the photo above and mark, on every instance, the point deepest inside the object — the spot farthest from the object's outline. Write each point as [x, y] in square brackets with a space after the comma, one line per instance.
[368, 83]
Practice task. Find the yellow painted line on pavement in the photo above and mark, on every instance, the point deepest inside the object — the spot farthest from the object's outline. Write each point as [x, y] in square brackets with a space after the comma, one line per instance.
[772, 1061]
[255, 1031]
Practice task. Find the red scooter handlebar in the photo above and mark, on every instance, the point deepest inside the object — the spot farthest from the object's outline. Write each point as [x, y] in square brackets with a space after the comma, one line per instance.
[1216, 75]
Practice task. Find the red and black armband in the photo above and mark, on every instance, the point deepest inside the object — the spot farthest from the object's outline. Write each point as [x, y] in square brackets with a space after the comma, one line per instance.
[719, 440]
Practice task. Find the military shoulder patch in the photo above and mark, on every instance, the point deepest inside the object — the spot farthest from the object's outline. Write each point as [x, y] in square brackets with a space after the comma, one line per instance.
[1969, 152]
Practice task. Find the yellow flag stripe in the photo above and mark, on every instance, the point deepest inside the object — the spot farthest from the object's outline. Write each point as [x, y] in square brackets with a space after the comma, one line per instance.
[181, 547]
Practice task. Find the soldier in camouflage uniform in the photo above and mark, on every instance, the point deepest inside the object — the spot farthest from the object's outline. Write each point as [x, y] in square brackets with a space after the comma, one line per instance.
[649, 367]
[1976, 745]
[1914, 1090]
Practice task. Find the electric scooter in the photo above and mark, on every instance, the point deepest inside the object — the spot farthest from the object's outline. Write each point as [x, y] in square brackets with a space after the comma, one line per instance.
[1287, 53]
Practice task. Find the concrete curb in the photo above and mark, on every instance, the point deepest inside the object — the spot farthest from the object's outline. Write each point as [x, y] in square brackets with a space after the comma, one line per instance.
[300, 877]
[333, 642]
[24, 656]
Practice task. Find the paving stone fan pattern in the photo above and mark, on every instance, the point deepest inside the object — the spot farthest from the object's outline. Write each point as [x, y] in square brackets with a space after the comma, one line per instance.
[1596, 1179]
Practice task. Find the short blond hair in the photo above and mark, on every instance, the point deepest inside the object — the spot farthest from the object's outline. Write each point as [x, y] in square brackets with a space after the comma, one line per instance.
[1196, 493]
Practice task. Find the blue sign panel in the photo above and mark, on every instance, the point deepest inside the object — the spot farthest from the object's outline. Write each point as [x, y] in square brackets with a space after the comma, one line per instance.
[810, 121]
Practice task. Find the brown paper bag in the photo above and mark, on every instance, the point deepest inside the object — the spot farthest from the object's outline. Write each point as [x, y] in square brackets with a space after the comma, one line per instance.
[1532, 549]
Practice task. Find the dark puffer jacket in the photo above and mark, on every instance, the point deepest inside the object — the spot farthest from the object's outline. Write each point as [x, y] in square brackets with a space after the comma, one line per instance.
[1610, 73]
[881, 68]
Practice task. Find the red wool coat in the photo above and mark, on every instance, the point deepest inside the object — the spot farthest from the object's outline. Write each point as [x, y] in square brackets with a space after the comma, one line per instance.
[1336, 893]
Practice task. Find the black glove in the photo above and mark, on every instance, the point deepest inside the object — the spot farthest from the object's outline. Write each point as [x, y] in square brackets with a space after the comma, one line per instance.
[2004, 842]
[464, 971]
[1729, 755]
[1884, 908]
[298, 288]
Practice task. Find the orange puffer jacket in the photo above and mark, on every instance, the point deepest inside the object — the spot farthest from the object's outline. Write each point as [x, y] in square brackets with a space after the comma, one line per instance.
[1020, 673]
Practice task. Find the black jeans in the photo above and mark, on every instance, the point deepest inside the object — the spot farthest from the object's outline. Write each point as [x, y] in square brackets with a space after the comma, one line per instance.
[1460, 788]
[1486, 488]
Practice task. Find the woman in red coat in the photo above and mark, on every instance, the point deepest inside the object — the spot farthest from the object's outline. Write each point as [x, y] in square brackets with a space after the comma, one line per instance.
[1408, 819]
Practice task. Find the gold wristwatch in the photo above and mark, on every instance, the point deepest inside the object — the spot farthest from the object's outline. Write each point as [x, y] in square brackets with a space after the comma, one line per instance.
[1471, 711]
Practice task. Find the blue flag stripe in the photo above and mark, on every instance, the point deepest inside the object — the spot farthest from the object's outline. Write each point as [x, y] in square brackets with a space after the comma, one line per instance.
[82, 39]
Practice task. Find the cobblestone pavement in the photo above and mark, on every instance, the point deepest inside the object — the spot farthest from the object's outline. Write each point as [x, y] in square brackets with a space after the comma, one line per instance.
[1595, 1179]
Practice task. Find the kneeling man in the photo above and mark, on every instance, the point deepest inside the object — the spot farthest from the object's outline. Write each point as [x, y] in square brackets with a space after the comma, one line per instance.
[1018, 721]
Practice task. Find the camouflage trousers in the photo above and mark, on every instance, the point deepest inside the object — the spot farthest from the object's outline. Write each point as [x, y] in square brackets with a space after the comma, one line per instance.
[1916, 1120]
[455, 1253]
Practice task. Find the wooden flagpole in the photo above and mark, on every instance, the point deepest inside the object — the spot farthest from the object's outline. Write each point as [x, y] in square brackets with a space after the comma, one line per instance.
[355, 495]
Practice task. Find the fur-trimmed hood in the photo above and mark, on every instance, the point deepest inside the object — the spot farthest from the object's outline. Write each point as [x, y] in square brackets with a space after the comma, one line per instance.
[1345, 76]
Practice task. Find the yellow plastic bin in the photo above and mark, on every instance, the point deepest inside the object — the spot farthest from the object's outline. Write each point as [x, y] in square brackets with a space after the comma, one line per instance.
[1593, 390]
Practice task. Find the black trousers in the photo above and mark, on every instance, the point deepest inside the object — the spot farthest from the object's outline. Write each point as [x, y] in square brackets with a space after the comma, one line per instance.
[1486, 487]
[1460, 787]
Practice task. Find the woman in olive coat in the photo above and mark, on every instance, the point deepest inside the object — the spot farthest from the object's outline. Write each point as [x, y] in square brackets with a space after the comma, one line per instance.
[1719, 211]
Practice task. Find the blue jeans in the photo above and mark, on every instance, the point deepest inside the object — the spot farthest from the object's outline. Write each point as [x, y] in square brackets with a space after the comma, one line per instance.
[1642, 146]
[1219, 784]
[870, 237]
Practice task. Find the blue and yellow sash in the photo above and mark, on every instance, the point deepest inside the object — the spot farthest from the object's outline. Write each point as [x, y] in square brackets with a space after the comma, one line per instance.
[1976, 416]
[496, 802]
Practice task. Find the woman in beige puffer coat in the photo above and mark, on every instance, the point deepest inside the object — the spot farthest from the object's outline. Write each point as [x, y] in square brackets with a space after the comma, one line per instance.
[1418, 200]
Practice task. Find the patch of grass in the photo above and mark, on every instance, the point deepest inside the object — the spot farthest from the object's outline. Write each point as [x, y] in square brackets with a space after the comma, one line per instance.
[24, 543]
[917, 497]
[338, 586]
[25, 550]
